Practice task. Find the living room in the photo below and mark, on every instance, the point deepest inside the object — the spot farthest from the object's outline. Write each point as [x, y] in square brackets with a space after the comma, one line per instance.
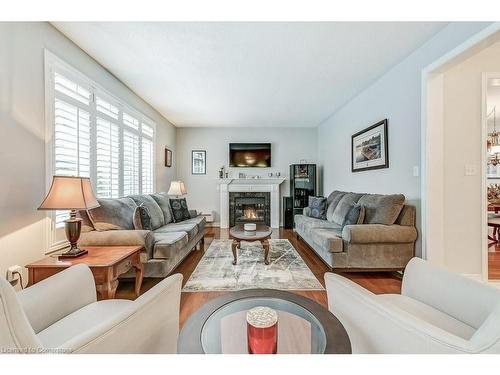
[189, 187]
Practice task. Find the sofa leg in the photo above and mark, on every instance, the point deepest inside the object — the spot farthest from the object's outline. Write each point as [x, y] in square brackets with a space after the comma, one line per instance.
[297, 236]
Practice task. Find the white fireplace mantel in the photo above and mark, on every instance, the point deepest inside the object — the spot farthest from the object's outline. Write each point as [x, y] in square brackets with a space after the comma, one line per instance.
[271, 185]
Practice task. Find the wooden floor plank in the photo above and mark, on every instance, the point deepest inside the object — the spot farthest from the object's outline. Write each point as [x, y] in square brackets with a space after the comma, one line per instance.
[377, 282]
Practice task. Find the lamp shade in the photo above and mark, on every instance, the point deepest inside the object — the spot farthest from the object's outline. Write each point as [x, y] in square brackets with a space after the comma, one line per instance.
[69, 193]
[177, 188]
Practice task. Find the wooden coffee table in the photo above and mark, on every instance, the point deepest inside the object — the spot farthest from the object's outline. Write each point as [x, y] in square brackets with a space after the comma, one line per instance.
[107, 263]
[239, 234]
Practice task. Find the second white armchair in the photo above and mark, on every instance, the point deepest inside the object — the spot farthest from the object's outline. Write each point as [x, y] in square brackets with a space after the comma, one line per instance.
[436, 312]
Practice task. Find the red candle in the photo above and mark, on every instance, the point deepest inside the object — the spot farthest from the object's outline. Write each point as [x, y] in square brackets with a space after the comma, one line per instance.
[262, 330]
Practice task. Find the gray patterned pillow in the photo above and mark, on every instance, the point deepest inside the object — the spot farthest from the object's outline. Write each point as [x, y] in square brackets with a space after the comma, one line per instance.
[355, 215]
[317, 207]
[180, 210]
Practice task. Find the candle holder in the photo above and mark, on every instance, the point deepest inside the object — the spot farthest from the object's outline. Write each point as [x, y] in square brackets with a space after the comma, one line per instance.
[262, 330]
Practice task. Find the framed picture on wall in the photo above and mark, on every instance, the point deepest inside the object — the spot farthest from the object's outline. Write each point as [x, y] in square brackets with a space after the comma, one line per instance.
[370, 148]
[198, 162]
[168, 157]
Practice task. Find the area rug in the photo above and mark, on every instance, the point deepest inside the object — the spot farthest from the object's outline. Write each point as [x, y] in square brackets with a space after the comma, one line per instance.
[286, 269]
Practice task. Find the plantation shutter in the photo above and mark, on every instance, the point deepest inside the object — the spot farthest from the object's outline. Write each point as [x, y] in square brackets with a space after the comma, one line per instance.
[131, 159]
[147, 158]
[72, 128]
[96, 136]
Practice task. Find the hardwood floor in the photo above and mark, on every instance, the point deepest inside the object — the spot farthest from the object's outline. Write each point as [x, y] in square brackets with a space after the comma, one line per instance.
[494, 263]
[377, 282]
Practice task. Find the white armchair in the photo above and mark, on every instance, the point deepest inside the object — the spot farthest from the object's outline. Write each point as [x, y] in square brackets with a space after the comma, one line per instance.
[436, 312]
[61, 315]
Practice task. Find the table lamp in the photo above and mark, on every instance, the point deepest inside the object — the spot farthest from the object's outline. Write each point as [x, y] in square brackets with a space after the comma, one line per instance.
[177, 188]
[70, 193]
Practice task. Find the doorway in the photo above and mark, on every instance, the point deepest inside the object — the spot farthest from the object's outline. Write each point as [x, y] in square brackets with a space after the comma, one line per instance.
[491, 125]
[454, 157]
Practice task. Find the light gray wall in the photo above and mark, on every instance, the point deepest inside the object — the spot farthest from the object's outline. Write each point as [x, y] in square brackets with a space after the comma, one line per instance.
[23, 230]
[397, 97]
[289, 145]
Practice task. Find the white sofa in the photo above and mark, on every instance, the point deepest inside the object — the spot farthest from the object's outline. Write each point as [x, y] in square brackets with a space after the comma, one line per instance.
[436, 312]
[61, 315]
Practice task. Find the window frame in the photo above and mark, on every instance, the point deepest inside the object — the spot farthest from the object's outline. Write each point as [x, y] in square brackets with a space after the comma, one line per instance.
[53, 63]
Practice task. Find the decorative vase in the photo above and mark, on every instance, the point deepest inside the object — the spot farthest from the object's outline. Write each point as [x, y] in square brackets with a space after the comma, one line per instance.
[262, 330]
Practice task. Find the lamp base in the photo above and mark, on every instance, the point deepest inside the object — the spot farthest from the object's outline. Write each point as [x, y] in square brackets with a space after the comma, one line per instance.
[73, 227]
[73, 253]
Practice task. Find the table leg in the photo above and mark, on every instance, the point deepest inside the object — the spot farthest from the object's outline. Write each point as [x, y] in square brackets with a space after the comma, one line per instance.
[265, 244]
[107, 290]
[139, 274]
[234, 248]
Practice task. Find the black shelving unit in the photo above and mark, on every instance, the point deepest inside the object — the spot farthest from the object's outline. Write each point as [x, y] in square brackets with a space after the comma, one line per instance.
[302, 185]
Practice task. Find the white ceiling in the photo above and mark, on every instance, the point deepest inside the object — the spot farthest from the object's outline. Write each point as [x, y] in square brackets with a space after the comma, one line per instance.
[248, 74]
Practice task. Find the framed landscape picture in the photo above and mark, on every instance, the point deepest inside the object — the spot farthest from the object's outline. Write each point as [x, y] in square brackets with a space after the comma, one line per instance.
[370, 148]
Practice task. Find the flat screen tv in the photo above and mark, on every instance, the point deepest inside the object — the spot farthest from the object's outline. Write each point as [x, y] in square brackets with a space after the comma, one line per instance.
[250, 155]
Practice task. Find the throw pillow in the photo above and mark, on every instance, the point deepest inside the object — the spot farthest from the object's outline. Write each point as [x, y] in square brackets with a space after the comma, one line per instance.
[317, 207]
[145, 217]
[180, 210]
[355, 215]
[137, 218]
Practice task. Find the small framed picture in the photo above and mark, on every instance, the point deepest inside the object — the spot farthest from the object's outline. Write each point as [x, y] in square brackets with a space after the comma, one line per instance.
[168, 157]
[370, 148]
[198, 162]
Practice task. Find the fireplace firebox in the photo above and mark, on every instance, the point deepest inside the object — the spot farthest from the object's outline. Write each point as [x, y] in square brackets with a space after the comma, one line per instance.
[246, 207]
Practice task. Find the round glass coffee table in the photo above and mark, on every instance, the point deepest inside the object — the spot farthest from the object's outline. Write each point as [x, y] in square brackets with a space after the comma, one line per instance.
[304, 327]
[238, 233]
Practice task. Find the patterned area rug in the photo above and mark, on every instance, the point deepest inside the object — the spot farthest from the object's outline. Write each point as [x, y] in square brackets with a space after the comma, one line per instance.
[286, 269]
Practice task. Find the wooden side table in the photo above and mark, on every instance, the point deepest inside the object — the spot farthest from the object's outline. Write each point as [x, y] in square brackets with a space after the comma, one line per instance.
[107, 263]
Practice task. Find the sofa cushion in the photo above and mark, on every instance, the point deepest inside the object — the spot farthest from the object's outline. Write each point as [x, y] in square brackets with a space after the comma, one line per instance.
[382, 209]
[168, 244]
[333, 200]
[317, 207]
[115, 213]
[164, 203]
[155, 213]
[131, 237]
[429, 314]
[200, 221]
[356, 215]
[329, 239]
[343, 207]
[180, 211]
[190, 228]
[304, 224]
[379, 233]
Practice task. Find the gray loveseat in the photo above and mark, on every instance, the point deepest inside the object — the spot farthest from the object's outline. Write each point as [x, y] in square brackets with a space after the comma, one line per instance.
[114, 223]
[385, 240]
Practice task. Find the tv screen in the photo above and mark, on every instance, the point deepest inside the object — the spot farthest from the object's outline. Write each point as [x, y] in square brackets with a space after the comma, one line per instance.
[250, 155]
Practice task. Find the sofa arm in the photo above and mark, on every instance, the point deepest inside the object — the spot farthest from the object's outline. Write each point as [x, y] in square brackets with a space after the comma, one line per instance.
[379, 233]
[306, 211]
[52, 299]
[375, 326]
[149, 325]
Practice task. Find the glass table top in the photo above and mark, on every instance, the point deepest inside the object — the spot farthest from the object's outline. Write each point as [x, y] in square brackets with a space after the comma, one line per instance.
[299, 331]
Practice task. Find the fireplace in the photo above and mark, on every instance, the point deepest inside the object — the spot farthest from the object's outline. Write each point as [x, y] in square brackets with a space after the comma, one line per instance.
[246, 207]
